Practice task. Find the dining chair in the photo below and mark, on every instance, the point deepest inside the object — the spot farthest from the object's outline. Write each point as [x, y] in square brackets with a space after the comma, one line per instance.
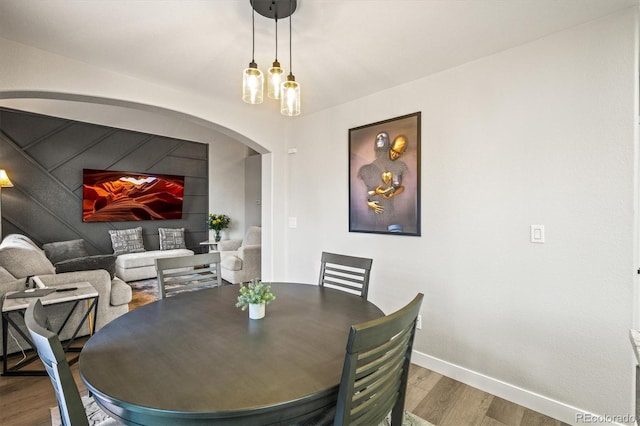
[188, 273]
[348, 273]
[373, 384]
[74, 409]
[376, 367]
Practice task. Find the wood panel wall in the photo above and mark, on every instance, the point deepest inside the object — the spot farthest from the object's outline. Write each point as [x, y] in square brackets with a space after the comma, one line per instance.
[44, 157]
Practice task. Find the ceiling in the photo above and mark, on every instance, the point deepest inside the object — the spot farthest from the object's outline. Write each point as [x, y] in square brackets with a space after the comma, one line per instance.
[342, 49]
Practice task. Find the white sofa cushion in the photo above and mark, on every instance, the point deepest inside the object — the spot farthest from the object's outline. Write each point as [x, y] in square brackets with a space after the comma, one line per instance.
[253, 236]
[148, 258]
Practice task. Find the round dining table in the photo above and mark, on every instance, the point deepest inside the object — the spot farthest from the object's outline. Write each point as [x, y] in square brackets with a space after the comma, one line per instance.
[195, 358]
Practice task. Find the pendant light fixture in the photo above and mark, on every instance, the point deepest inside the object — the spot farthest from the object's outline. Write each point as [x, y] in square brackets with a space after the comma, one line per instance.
[290, 101]
[276, 73]
[252, 81]
[287, 91]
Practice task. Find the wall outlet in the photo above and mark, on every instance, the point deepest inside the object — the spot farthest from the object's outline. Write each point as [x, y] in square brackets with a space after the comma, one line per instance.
[419, 322]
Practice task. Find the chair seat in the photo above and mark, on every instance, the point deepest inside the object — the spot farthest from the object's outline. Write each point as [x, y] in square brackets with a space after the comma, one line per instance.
[95, 415]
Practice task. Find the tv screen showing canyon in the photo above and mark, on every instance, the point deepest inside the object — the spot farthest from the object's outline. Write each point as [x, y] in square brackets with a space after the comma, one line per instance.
[114, 196]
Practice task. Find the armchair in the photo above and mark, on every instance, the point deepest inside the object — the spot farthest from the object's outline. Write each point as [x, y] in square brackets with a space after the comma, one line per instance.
[240, 259]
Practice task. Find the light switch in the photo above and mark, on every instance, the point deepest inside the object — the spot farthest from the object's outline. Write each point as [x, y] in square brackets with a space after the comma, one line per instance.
[293, 222]
[537, 233]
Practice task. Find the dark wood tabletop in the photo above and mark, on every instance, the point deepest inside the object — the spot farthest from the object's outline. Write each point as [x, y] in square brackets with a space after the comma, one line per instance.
[197, 359]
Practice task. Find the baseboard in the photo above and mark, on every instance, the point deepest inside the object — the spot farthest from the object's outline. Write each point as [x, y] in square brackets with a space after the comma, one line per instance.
[552, 408]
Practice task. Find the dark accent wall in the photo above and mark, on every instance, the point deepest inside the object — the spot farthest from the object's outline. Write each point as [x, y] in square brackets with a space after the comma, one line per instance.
[44, 157]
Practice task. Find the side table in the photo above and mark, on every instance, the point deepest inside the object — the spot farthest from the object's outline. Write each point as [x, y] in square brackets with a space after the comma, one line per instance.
[13, 309]
[213, 245]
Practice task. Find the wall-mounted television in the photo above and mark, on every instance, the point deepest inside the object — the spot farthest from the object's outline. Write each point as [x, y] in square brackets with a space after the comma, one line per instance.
[114, 196]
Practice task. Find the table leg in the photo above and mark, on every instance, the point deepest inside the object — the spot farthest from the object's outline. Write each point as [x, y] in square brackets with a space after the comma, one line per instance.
[91, 325]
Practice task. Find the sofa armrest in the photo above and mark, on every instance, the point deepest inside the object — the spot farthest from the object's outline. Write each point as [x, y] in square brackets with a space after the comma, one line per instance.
[99, 279]
[229, 245]
[9, 283]
[121, 292]
[251, 260]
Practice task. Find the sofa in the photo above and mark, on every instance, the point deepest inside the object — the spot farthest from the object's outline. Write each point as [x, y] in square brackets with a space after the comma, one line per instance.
[240, 260]
[134, 262]
[21, 258]
[142, 265]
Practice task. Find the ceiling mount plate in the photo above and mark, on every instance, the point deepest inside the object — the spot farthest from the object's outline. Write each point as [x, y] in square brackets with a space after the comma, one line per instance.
[274, 8]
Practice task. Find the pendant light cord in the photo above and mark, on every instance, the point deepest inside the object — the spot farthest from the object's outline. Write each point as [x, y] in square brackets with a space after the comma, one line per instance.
[253, 32]
[290, 54]
[276, 36]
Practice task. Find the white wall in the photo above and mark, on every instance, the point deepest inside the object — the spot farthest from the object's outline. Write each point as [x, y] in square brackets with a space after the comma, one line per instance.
[539, 134]
[253, 190]
[226, 184]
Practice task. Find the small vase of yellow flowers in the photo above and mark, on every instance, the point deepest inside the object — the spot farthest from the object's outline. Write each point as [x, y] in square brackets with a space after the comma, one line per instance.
[218, 222]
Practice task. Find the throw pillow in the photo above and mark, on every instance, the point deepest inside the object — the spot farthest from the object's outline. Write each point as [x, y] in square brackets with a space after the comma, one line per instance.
[127, 240]
[88, 263]
[64, 250]
[171, 238]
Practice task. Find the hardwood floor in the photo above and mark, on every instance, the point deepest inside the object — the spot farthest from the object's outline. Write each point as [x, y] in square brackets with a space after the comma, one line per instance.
[25, 401]
[436, 398]
[447, 402]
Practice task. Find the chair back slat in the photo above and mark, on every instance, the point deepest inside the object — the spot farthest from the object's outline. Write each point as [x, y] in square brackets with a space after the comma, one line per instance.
[347, 273]
[188, 273]
[376, 365]
[47, 344]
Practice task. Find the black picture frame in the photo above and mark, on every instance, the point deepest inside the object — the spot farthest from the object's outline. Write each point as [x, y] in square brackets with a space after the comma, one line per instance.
[384, 176]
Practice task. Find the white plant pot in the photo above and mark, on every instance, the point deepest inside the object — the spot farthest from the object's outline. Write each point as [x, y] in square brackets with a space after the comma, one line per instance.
[256, 310]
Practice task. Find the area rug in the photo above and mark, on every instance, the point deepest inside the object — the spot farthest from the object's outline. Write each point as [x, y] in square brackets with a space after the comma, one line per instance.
[95, 416]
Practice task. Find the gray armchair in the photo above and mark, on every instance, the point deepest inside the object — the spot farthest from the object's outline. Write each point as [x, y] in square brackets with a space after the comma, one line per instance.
[241, 259]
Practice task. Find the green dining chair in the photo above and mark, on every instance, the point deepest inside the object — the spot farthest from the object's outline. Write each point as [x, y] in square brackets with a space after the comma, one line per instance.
[74, 409]
[347, 273]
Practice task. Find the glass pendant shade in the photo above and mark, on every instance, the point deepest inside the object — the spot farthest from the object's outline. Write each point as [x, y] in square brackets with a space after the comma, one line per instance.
[252, 84]
[276, 76]
[290, 102]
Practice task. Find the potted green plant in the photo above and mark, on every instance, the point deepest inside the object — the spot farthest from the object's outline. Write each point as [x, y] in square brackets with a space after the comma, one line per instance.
[255, 295]
[218, 222]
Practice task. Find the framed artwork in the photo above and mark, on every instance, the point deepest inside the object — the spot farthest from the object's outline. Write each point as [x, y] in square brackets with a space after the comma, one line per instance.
[384, 176]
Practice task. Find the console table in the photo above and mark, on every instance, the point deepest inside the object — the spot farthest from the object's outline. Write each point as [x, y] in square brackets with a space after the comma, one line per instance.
[13, 314]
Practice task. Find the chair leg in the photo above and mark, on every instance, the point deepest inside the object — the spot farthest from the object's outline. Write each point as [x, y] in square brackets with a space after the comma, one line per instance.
[397, 415]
